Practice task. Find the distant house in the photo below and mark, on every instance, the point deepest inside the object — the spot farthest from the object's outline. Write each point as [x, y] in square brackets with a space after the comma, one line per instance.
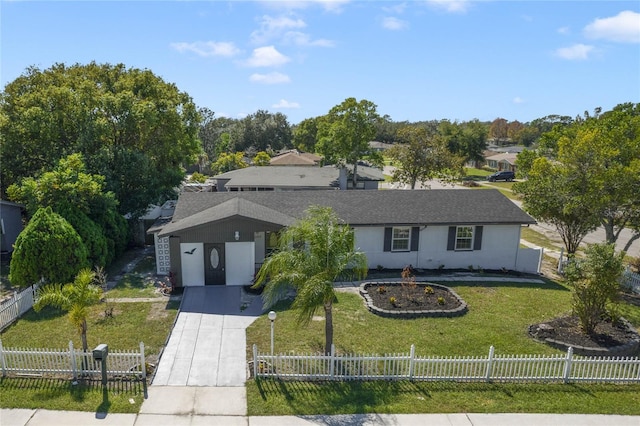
[379, 146]
[219, 238]
[295, 158]
[296, 178]
[502, 161]
[10, 225]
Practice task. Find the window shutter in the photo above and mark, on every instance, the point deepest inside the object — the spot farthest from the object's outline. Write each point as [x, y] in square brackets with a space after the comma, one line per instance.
[451, 243]
[387, 239]
[477, 241]
[415, 238]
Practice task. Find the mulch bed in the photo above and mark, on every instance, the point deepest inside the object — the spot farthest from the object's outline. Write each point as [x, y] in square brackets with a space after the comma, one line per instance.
[412, 298]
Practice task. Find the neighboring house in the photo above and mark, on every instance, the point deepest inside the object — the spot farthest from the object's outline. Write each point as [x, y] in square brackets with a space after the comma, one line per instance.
[163, 259]
[379, 146]
[503, 161]
[295, 158]
[10, 225]
[295, 178]
[223, 238]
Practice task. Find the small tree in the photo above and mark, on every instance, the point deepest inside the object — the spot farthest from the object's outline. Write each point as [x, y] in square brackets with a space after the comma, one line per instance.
[261, 159]
[48, 248]
[74, 298]
[596, 284]
[312, 254]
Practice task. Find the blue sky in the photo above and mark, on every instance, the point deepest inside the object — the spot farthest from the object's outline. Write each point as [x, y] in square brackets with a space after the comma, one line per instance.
[417, 60]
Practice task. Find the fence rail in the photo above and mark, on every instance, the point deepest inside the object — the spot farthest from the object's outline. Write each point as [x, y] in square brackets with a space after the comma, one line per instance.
[70, 362]
[631, 281]
[492, 368]
[12, 308]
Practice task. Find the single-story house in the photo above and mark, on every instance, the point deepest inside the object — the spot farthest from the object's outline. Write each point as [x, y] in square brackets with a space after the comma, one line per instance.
[295, 178]
[295, 158]
[223, 238]
[380, 146]
[10, 225]
[503, 161]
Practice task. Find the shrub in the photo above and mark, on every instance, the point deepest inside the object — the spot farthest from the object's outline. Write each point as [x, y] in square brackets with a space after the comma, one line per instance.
[393, 301]
[382, 289]
[441, 300]
[428, 290]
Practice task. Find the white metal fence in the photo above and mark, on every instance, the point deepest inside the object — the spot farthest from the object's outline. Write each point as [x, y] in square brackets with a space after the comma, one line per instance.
[492, 368]
[631, 281]
[11, 309]
[70, 362]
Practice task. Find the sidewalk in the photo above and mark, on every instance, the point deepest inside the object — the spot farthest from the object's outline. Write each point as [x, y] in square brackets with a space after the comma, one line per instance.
[22, 417]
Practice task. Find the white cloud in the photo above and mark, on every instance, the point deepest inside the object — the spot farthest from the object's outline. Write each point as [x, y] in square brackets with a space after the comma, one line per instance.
[624, 28]
[285, 104]
[564, 30]
[394, 24]
[398, 8]
[207, 48]
[302, 39]
[518, 100]
[575, 52]
[266, 56]
[272, 27]
[271, 78]
[334, 6]
[454, 6]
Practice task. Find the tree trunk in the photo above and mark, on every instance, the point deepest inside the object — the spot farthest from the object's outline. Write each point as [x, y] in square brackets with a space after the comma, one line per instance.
[328, 327]
[83, 335]
[631, 240]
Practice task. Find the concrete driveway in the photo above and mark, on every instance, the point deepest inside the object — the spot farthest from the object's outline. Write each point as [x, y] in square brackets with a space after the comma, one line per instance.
[207, 346]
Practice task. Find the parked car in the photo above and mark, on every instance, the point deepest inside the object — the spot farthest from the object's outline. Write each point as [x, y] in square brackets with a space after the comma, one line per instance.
[505, 175]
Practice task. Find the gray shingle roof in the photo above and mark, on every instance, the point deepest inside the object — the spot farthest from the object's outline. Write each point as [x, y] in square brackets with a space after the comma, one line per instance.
[292, 176]
[357, 208]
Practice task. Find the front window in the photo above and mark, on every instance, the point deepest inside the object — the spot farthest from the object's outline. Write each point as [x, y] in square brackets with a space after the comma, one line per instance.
[400, 239]
[464, 237]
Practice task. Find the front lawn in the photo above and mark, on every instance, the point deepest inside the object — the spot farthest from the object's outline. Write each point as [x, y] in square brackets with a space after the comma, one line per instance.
[499, 314]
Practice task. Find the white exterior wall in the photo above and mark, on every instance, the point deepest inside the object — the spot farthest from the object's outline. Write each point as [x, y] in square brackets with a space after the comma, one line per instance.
[192, 259]
[239, 263]
[499, 249]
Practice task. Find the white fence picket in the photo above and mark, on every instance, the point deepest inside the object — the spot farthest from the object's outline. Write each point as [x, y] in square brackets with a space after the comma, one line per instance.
[493, 368]
[631, 281]
[54, 362]
[14, 307]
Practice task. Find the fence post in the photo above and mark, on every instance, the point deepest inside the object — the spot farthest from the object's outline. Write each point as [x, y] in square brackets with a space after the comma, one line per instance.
[144, 363]
[560, 265]
[255, 361]
[72, 354]
[4, 366]
[492, 351]
[332, 368]
[412, 354]
[567, 365]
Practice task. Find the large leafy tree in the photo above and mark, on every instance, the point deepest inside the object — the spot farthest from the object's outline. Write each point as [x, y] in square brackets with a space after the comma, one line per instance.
[81, 199]
[130, 126]
[346, 131]
[312, 254]
[549, 195]
[227, 162]
[75, 298]
[305, 134]
[48, 248]
[422, 156]
[595, 281]
[468, 139]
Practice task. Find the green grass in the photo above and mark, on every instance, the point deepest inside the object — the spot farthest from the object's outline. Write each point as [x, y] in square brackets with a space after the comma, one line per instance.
[499, 314]
[476, 174]
[131, 324]
[59, 394]
[133, 286]
[500, 185]
[270, 397]
[539, 239]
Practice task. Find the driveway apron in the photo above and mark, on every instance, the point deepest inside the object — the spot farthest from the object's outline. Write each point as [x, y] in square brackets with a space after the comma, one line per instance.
[207, 346]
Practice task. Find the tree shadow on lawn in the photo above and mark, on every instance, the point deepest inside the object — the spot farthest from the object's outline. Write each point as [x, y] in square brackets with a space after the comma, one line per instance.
[309, 398]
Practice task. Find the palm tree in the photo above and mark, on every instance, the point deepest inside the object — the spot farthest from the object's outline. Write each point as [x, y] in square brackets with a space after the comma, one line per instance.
[75, 298]
[312, 254]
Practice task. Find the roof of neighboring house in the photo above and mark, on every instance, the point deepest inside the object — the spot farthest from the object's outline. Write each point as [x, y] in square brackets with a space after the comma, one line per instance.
[380, 145]
[295, 158]
[366, 172]
[357, 208]
[506, 156]
[282, 177]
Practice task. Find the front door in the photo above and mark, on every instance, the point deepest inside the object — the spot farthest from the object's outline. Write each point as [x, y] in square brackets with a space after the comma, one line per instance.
[214, 264]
